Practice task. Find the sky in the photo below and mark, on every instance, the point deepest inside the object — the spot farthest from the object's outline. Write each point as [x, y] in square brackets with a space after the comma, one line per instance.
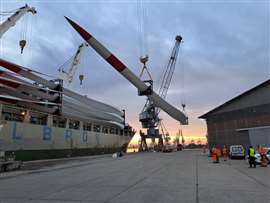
[225, 52]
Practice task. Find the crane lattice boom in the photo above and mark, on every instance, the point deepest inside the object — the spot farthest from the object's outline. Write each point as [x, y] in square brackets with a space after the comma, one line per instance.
[167, 78]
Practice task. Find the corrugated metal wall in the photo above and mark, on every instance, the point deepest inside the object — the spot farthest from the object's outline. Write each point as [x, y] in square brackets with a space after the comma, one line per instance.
[259, 136]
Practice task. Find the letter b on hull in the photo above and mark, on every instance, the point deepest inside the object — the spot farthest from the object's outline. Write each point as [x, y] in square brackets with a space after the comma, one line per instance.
[47, 133]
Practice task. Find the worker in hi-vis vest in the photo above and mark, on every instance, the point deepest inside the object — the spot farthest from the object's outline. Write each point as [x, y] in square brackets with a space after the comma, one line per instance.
[264, 159]
[214, 155]
[251, 157]
[225, 153]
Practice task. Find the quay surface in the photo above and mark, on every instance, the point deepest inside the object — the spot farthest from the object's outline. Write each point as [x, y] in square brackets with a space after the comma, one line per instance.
[187, 176]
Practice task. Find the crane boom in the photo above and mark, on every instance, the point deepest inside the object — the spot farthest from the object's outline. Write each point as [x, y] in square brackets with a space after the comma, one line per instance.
[128, 74]
[167, 78]
[67, 77]
[166, 81]
[11, 21]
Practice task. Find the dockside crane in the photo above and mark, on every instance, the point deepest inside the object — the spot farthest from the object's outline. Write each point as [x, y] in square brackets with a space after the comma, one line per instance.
[12, 20]
[149, 117]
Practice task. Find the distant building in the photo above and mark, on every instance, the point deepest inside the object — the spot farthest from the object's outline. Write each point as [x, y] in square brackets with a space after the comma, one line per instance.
[244, 119]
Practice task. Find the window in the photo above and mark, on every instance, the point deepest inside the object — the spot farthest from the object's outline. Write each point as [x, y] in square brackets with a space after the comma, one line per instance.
[13, 117]
[6, 116]
[105, 130]
[121, 132]
[73, 124]
[96, 128]
[38, 120]
[116, 131]
[112, 131]
[87, 126]
[62, 123]
[59, 122]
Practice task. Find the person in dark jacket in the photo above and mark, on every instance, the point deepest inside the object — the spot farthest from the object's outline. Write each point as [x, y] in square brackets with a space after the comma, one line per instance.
[251, 157]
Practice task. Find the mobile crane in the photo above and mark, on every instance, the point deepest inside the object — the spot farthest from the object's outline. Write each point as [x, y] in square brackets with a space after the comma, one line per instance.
[11, 21]
[67, 76]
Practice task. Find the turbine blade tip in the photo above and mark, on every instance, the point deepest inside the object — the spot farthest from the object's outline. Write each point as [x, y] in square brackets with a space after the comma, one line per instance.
[79, 29]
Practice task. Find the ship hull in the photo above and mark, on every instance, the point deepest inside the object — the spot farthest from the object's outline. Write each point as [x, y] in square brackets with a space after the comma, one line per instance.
[31, 142]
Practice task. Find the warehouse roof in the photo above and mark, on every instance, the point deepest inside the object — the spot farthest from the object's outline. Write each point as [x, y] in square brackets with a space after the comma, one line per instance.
[264, 84]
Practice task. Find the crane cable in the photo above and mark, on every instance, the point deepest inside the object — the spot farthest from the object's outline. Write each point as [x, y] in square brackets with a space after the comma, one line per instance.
[24, 26]
[142, 36]
[142, 24]
[82, 63]
[31, 37]
[183, 95]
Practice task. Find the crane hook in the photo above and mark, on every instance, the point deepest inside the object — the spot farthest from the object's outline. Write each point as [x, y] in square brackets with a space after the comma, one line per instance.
[183, 106]
[22, 44]
[81, 77]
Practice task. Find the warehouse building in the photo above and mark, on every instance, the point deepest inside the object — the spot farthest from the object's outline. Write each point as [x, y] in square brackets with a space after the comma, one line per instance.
[243, 120]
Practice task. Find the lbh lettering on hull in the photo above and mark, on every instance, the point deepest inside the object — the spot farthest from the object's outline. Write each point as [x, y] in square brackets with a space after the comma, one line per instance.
[68, 134]
[14, 134]
[84, 136]
[47, 133]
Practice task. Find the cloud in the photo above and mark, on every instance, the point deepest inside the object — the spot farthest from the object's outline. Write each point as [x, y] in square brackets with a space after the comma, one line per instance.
[225, 49]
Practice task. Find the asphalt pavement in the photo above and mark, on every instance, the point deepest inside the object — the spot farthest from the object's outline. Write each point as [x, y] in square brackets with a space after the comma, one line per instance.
[187, 176]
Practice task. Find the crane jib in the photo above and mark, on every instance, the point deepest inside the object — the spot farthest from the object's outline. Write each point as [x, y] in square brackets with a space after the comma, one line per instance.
[129, 75]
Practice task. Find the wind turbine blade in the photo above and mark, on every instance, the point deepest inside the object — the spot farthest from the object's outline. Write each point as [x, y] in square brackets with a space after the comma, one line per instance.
[127, 73]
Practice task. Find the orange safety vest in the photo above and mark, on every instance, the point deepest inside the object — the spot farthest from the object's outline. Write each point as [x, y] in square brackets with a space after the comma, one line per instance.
[214, 154]
[218, 152]
[224, 151]
[261, 151]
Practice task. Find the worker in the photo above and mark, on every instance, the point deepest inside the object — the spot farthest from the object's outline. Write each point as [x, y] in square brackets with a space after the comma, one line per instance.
[212, 152]
[218, 152]
[215, 155]
[264, 160]
[251, 157]
[204, 149]
[225, 153]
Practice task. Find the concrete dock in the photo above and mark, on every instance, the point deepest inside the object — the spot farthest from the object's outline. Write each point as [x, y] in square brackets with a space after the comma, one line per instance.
[187, 176]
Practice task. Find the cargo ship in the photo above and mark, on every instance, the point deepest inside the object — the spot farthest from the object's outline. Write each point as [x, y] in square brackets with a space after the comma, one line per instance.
[39, 138]
[42, 119]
